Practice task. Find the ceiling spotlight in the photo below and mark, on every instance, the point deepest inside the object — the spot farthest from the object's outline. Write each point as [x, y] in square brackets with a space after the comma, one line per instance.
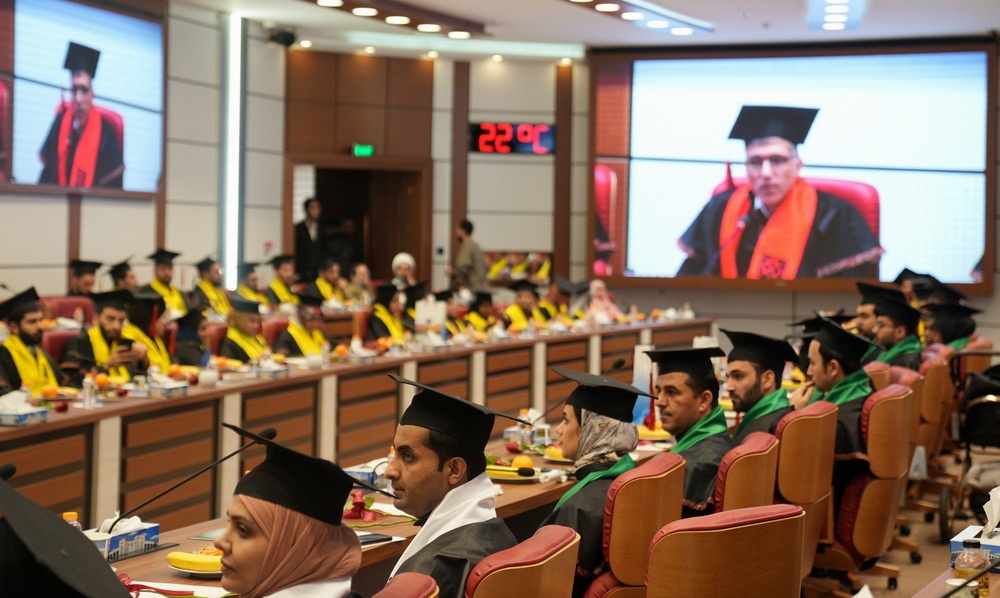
[565, 61]
[837, 9]
[432, 54]
[364, 11]
[837, 1]
[833, 26]
[846, 13]
[835, 18]
[581, 1]
[633, 16]
[397, 20]
[497, 58]
[369, 50]
[429, 27]
[459, 34]
[607, 7]
[681, 31]
[330, 3]
[306, 43]
[659, 24]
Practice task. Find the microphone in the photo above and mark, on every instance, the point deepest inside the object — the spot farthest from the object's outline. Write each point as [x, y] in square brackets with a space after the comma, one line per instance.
[741, 225]
[7, 471]
[617, 365]
[268, 433]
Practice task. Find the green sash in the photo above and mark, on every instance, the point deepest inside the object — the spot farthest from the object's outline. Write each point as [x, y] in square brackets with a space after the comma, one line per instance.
[959, 343]
[868, 353]
[846, 389]
[710, 425]
[910, 344]
[624, 464]
[768, 403]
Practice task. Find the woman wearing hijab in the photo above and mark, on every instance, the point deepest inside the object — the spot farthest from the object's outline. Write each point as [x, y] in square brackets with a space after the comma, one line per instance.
[598, 434]
[601, 309]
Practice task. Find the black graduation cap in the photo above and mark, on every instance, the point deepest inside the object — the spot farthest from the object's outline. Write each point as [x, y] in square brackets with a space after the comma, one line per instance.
[120, 270]
[81, 267]
[606, 396]
[564, 285]
[455, 417]
[243, 270]
[814, 324]
[279, 260]
[951, 310]
[694, 362]
[205, 265]
[243, 305]
[114, 299]
[384, 294]
[41, 555]
[310, 300]
[81, 58]
[906, 274]
[315, 487]
[901, 312]
[163, 257]
[481, 298]
[842, 342]
[523, 285]
[952, 320]
[192, 319]
[769, 353]
[870, 292]
[415, 292]
[939, 292]
[803, 357]
[20, 304]
[758, 122]
[443, 295]
[143, 307]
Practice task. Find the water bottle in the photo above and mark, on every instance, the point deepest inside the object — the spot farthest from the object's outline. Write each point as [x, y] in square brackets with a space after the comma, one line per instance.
[524, 430]
[70, 517]
[324, 350]
[89, 393]
[971, 561]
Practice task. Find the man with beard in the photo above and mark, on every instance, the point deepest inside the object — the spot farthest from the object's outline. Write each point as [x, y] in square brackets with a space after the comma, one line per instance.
[896, 330]
[23, 362]
[865, 317]
[208, 293]
[162, 283]
[101, 347]
[123, 277]
[82, 277]
[754, 368]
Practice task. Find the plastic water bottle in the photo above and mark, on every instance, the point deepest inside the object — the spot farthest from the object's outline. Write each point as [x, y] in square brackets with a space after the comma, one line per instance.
[89, 393]
[324, 350]
[70, 517]
[971, 561]
[523, 430]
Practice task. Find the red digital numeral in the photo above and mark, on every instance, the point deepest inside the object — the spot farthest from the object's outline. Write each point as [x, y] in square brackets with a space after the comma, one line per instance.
[505, 132]
[486, 137]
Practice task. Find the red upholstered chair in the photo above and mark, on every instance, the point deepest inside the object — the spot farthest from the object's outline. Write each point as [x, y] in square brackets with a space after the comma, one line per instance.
[61, 306]
[54, 341]
[699, 556]
[639, 503]
[409, 585]
[878, 372]
[867, 516]
[360, 322]
[805, 469]
[216, 332]
[272, 326]
[605, 192]
[542, 565]
[747, 473]
[915, 382]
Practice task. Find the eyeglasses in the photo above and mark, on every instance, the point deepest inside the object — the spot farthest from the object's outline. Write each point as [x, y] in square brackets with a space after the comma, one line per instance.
[757, 162]
[81, 89]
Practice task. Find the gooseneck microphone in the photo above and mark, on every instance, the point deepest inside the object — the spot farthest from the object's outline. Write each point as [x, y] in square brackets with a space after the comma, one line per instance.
[617, 365]
[7, 471]
[267, 433]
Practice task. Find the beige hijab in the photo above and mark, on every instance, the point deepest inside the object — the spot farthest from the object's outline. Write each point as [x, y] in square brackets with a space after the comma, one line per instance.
[300, 549]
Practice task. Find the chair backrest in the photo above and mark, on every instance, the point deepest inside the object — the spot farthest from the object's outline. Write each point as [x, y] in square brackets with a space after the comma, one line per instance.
[542, 565]
[935, 404]
[696, 556]
[63, 306]
[747, 473]
[965, 364]
[639, 503]
[216, 332]
[409, 585]
[360, 320]
[272, 326]
[878, 373]
[805, 469]
[54, 342]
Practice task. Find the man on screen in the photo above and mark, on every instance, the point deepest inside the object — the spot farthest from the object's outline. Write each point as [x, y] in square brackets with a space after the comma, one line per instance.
[82, 148]
[776, 225]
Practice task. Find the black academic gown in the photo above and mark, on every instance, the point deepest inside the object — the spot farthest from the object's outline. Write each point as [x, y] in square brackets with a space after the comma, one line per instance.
[700, 469]
[78, 358]
[190, 352]
[451, 557]
[850, 453]
[231, 350]
[109, 156]
[908, 360]
[11, 378]
[285, 343]
[765, 423]
[584, 512]
[839, 231]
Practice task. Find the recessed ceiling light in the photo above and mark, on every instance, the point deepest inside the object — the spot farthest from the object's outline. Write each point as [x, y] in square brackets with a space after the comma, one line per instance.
[835, 18]
[330, 3]
[681, 31]
[838, 1]
[837, 8]
[364, 11]
[397, 20]
[459, 34]
[833, 26]
[432, 54]
[633, 16]
[306, 43]
[565, 61]
[581, 1]
[369, 50]
[429, 27]
[658, 24]
[606, 7]
[497, 58]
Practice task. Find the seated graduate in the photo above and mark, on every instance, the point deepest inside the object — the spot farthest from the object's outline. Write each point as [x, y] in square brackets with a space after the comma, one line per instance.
[192, 340]
[864, 322]
[359, 289]
[896, 329]
[558, 297]
[82, 277]
[525, 307]
[162, 283]
[208, 292]
[387, 314]
[453, 323]
[123, 277]
[481, 311]
[23, 362]
[950, 324]
[285, 537]
[328, 284]
[755, 367]
[409, 297]
[304, 335]
[101, 348]
[280, 289]
[687, 395]
[598, 434]
[148, 324]
[249, 281]
[244, 341]
[438, 474]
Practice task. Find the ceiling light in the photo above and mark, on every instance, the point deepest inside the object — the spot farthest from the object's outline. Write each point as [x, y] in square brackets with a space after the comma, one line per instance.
[404, 13]
[581, 1]
[429, 27]
[432, 54]
[330, 3]
[845, 12]
[838, 1]
[364, 11]
[836, 9]
[833, 26]
[369, 50]
[681, 31]
[497, 58]
[650, 14]
[606, 7]
[397, 20]
[633, 16]
[306, 43]
[835, 18]
[459, 34]
[659, 24]
[565, 61]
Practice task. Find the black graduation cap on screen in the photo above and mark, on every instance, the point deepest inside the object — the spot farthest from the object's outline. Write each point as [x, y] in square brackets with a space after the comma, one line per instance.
[870, 292]
[758, 122]
[205, 265]
[81, 267]
[384, 294]
[900, 311]
[842, 342]
[280, 260]
[602, 395]
[192, 319]
[41, 555]
[20, 304]
[940, 293]
[443, 295]
[769, 353]
[120, 270]
[244, 305]
[163, 257]
[315, 487]
[694, 362]
[244, 269]
[455, 417]
[119, 299]
[81, 58]
[481, 298]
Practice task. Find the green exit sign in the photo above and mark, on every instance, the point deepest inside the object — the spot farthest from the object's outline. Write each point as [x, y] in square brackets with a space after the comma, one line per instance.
[362, 150]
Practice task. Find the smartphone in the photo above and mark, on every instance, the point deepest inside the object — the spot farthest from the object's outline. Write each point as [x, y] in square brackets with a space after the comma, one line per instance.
[125, 344]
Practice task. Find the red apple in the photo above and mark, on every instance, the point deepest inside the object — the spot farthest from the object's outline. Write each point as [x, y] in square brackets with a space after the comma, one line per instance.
[62, 406]
[121, 391]
[513, 447]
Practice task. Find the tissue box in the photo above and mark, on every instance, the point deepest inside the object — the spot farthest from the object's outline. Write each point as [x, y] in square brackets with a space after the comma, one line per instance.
[992, 544]
[122, 545]
[35, 416]
[273, 373]
[363, 474]
[168, 391]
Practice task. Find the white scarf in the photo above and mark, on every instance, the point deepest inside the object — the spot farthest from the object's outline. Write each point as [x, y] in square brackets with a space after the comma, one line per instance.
[327, 588]
[472, 502]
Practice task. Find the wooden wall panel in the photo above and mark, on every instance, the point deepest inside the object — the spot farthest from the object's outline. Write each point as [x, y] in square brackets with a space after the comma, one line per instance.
[309, 127]
[410, 83]
[53, 469]
[680, 338]
[367, 413]
[291, 411]
[612, 107]
[360, 80]
[168, 428]
[407, 132]
[358, 124]
[310, 76]
[507, 360]
[557, 353]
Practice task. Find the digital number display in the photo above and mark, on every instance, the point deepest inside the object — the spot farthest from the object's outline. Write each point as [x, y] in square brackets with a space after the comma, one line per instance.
[512, 138]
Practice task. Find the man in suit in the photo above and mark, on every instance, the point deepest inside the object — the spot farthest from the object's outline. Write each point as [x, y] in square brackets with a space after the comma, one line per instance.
[310, 239]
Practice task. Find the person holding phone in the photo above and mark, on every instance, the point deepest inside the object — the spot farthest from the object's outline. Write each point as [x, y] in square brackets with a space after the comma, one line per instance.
[102, 348]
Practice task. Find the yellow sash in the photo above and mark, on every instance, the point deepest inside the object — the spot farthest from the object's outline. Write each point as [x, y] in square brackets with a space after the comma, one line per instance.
[171, 296]
[284, 294]
[309, 344]
[32, 365]
[453, 326]
[253, 346]
[251, 294]
[327, 289]
[478, 321]
[396, 329]
[217, 300]
[102, 352]
[156, 351]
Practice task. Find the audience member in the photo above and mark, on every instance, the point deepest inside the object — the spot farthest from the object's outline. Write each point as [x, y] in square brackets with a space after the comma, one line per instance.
[122, 277]
[950, 324]
[469, 270]
[304, 335]
[162, 283]
[404, 270]
[329, 284]
[82, 277]
[243, 340]
[359, 289]
[601, 308]
[896, 330]
[280, 289]
[481, 314]
[101, 348]
[249, 283]
[525, 307]
[149, 322]
[208, 292]
[387, 315]
[23, 362]
[754, 371]
[192, 339]
[310, 240]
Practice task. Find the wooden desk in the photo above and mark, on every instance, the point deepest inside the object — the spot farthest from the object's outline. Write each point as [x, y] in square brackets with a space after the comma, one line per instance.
[936, 588]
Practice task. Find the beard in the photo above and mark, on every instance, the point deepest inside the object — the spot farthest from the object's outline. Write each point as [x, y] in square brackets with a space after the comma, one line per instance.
[32, 340]
[749, 399]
